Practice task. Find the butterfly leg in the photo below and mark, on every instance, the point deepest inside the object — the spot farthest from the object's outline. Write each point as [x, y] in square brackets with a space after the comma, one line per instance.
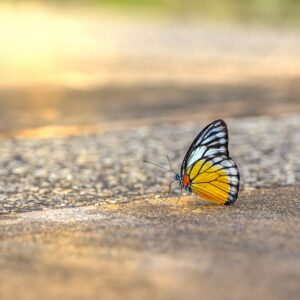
[179, 195]
[170, 186]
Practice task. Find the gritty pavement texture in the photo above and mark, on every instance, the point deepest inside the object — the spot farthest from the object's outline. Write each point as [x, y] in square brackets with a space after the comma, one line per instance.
[108, 167]
[156, 249]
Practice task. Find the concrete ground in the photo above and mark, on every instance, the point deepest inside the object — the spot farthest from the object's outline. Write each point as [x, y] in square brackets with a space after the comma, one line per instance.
[81, 215]
[108, 167]
[156, 249]
[127, 239]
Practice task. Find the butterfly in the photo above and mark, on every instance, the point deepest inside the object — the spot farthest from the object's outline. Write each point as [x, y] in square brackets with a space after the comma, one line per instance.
[207, 169]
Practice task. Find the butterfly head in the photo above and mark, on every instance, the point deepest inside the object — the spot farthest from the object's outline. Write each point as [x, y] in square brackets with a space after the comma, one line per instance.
[184, 181]
[177, 177]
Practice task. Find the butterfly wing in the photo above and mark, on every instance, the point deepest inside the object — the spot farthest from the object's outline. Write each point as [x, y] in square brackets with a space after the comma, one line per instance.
[213, 175]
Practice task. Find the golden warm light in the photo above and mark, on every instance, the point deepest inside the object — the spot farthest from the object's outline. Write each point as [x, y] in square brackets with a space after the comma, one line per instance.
[149, 149]
[49, 47]
[44, 46]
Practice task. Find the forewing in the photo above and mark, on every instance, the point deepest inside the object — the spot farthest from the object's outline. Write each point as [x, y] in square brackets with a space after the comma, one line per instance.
[211, 141]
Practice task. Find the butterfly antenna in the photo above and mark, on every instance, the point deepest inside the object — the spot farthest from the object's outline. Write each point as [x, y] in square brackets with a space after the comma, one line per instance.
[161, 167]
[170, 164]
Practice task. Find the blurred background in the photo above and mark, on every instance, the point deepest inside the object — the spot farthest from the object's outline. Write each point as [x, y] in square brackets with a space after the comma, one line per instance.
[70, 67]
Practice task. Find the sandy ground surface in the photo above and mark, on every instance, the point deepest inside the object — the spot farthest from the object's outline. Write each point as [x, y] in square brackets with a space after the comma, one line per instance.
[162, 249]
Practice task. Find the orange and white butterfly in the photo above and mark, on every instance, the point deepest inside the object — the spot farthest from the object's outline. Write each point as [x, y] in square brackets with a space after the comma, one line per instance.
[207, 169]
